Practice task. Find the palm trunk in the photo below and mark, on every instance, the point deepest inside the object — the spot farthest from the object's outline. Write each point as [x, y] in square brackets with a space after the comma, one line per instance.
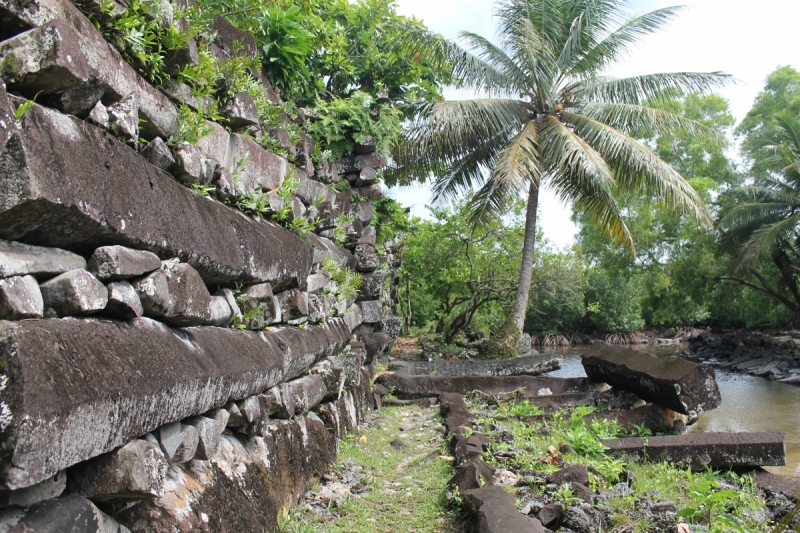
[520, 306]
[505, 342]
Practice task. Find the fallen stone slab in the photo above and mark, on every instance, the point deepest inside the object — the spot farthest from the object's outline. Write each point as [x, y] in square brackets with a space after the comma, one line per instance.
[20, 298]
[777, 484]
[455, 412]
[494, 510]
[17, 259]
[72, 513]
[671, 382]
[78, 388]
[73, 185]
[133, 472]
[719, 451]
[422, 386]
[67, 58]
[472, 475]
[531, 365]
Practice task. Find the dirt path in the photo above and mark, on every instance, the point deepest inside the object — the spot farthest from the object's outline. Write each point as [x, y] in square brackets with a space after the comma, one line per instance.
[390, 479]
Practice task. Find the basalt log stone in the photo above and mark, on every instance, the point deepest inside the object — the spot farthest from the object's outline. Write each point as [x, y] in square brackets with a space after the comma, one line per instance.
[77, 388]
[73, 185]
[425, 386]
[531, 365]
[494, 510]
[718, 451]
[671, 382]
[114, 263]
[17, 259]
[88, 67]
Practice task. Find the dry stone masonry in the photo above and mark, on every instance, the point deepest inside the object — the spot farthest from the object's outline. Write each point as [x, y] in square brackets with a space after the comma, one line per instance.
[166, 358]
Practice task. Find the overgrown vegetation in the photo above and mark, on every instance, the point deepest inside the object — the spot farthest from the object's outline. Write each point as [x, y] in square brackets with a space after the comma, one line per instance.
[703, 498]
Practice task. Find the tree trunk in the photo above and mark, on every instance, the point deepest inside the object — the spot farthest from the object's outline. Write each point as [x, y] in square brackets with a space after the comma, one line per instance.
[520, 306]
[505, 341]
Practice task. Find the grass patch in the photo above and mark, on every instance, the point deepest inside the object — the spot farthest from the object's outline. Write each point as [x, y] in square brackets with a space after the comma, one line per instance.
[407, 486]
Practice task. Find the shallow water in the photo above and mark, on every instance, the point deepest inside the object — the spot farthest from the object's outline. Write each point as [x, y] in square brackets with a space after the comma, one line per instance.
[749, 403]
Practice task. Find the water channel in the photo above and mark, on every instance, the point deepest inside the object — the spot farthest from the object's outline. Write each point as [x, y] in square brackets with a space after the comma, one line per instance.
[749, 403]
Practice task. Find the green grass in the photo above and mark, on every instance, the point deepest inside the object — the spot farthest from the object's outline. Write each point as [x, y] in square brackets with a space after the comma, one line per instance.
[407, 486]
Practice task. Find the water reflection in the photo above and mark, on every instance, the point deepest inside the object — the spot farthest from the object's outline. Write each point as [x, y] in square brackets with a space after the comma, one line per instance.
[749, 403]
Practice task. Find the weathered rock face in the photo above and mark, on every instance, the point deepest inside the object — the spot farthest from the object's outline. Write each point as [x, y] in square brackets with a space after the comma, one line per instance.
[531, 365]
[67, 183]
[143, 375]
[670, 382]
[273, 470]
[17, 259]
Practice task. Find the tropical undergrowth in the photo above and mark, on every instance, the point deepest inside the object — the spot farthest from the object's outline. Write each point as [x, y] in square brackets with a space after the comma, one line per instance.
[721, 501]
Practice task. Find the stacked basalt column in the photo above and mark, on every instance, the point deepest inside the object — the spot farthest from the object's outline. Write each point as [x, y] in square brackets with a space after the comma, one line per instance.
[165, 359]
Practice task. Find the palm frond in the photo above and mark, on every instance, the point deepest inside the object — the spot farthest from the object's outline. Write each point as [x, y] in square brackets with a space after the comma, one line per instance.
[639, 89]
[638, 168]
[646, 121]
[519, 161]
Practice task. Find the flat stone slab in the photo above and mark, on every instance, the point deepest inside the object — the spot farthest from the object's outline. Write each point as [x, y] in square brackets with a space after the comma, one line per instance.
[425, 386]
[495, 511]
[77, 388]
[531, 365]
[72, 185]
[719, 451]
[671, 382]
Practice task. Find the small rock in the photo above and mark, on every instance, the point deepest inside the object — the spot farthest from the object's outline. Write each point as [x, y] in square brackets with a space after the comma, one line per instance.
[544, 392]
[113, 263]
[153, 291]
[123, 302]
[99, 115]
[221, 312]
[170, 439]
[230, 298]
[74, 293]
[192, 165]
[123, 120]
[576, 473]
[20, 298]
[133, 472]
[260, 305]
[506, 478]
[366, 258]
[190, 439]
[550, 515]
[294, 306]
[209, 434]
[240, 111]
[398, 444]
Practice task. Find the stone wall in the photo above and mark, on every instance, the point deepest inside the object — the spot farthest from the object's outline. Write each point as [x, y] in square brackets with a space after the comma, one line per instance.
[169, 362]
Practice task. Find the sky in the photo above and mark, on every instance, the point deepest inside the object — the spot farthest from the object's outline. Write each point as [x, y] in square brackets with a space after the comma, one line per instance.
[743, 38]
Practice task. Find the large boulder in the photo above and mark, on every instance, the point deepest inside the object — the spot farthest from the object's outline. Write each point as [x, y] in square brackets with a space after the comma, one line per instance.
[671, 382]
[73, 185]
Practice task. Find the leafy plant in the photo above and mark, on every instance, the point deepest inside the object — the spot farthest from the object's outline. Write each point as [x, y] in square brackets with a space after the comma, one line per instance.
[564, 495]
[341, 121]
[25, 106]
[240, 321]
[192, 126]
[708, 504]
[285, 46]
[203, 189]
[519, 409]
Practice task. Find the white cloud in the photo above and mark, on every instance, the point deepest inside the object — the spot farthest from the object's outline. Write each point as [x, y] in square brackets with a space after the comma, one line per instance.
[746, 39]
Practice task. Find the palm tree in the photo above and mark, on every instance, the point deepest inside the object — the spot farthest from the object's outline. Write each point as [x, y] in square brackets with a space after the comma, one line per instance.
[547, 115]
[759, 222]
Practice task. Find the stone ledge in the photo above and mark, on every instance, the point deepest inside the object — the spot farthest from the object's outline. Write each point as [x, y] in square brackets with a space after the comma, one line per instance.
[71, 185]
[76, 388]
